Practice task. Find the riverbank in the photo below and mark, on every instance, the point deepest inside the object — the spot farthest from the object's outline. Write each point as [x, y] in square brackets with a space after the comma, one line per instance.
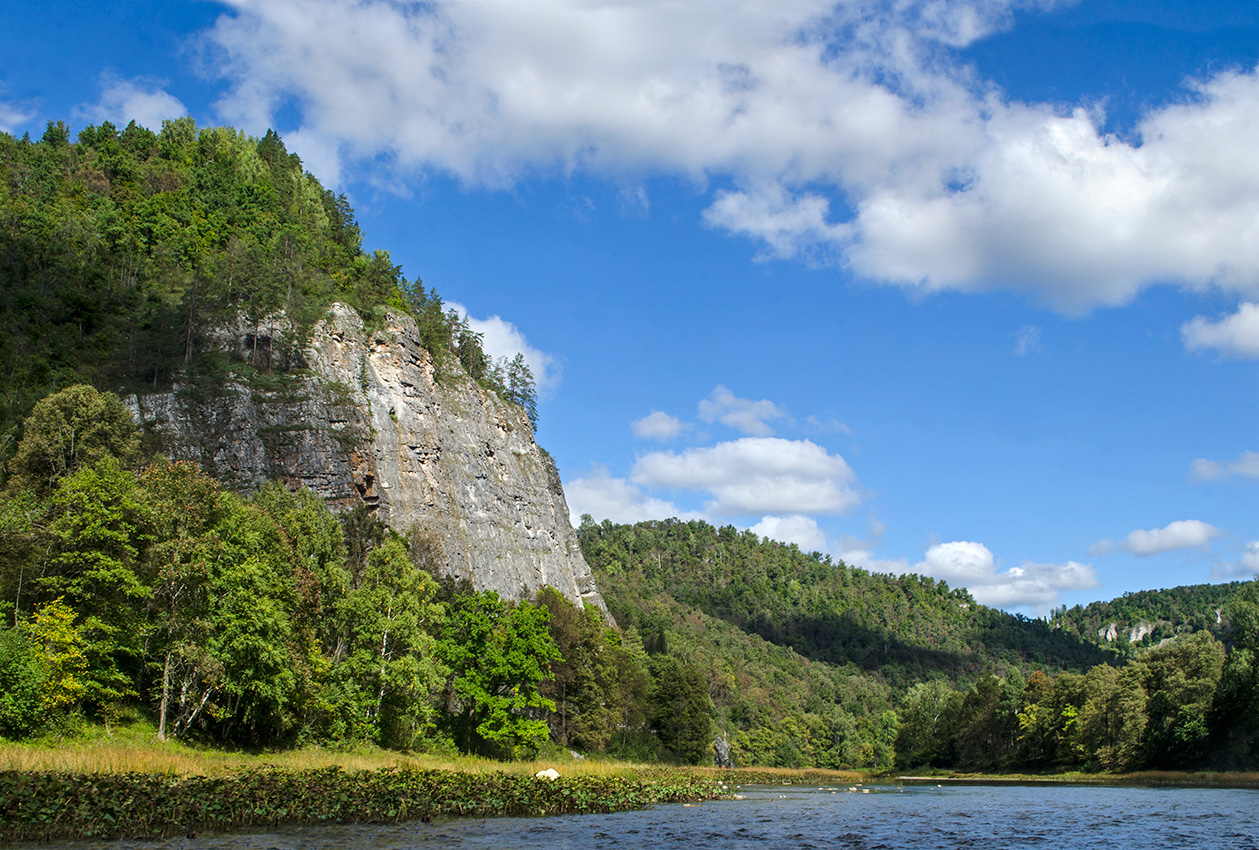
[53, 805]
[1172, 778]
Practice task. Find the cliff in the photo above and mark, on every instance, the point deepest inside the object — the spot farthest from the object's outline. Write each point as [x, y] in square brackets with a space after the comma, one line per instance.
[373, 419]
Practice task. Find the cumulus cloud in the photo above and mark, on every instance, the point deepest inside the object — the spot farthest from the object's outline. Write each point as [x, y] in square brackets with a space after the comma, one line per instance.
[756, 476]
[1233, 336]
[657, 425]
[1245, 568]
[847, 133]
[1182, 534]
[141, 100]
[605, 497]
[501, 339]
[800, 530]
[1246, 465]
[744, 415]
[1031, 585]
[12, 113]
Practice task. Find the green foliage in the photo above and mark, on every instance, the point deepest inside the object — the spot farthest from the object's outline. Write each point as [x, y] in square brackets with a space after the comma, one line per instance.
[598, 686]
[48, 806]
[123, 252]
[389, 671]
[1165, 613]
[1180, 680]
[67, 430]
[498, 654]
[52, 632]
[23, 674]
[681, 712]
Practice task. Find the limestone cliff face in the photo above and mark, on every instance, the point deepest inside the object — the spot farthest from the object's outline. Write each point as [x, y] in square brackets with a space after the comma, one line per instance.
[372, 421]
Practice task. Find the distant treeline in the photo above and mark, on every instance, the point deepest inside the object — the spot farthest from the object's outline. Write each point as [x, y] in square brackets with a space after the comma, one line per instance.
[812, 662]
[1150, 616]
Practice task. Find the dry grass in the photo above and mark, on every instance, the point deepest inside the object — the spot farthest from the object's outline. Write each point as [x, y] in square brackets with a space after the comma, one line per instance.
[136, 750]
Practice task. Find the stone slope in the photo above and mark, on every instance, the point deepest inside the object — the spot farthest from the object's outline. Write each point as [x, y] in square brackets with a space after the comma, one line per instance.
[373, 421]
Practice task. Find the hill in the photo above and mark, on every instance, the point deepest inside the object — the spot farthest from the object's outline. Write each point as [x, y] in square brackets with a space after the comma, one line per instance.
[1146, 618]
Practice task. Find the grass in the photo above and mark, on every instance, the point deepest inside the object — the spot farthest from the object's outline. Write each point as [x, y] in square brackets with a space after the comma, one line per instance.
[133, 747]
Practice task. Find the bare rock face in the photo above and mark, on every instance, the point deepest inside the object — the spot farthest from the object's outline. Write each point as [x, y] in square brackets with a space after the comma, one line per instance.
[375, 421]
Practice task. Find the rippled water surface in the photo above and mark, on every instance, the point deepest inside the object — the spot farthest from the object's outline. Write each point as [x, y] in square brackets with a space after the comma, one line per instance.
[1006, 816]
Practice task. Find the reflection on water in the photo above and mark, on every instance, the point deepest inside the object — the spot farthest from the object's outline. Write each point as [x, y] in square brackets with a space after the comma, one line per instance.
[885, 816]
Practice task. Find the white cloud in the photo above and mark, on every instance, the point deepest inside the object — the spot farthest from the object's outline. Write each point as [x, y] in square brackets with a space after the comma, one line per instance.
[827, 426]
[800, 530]
[502, 339]
[1233, 336]
[605, 497]
[942, 182]
[756, 476]
[657, 425]
[1246, 568]
[1032, 585]
[141, 100]
[13, 114]
[1027, 340]
[744, 415]
[1182, 534]
[1246, 465]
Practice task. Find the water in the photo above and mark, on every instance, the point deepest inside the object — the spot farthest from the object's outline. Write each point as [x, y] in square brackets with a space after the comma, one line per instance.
[885, 816]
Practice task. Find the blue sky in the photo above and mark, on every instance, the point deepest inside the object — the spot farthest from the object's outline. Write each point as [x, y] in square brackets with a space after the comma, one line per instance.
[967, 288]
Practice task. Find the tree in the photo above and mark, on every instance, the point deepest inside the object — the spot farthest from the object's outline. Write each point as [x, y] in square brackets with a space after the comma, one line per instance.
[498, 654]
[924, 711]
[76, 427]
[185, 508]
[53, 633]
[23, 674]
[390, 670]
[1181, 680]
[97, 531]
[520, 387]
[589, 684]
[681, 712]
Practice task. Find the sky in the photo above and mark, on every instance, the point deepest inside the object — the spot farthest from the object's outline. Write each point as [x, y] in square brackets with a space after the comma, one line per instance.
[967, 288]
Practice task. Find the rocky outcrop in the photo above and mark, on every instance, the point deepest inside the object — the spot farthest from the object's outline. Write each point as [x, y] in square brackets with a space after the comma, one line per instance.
[374, 420]
[1109, 633]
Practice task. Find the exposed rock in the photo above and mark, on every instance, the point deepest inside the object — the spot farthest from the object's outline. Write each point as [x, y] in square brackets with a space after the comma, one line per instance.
[1109, 633]
[374, 420]
[1140, 631]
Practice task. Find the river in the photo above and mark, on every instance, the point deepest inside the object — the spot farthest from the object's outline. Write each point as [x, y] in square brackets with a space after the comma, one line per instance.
[919, 817]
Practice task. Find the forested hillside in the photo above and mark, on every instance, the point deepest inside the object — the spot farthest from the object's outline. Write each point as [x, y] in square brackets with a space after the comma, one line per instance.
[906, 628]
[815, 662]
[1145, 618]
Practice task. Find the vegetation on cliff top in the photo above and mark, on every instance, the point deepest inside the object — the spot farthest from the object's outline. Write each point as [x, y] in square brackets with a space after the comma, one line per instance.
[123, 252]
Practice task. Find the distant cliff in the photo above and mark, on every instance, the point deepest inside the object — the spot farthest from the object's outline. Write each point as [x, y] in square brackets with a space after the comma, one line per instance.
[374, 419]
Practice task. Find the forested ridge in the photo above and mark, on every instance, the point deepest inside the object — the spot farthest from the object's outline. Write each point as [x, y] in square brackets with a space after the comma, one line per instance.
[816, 662]
[1143, 619]
[136, 589]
